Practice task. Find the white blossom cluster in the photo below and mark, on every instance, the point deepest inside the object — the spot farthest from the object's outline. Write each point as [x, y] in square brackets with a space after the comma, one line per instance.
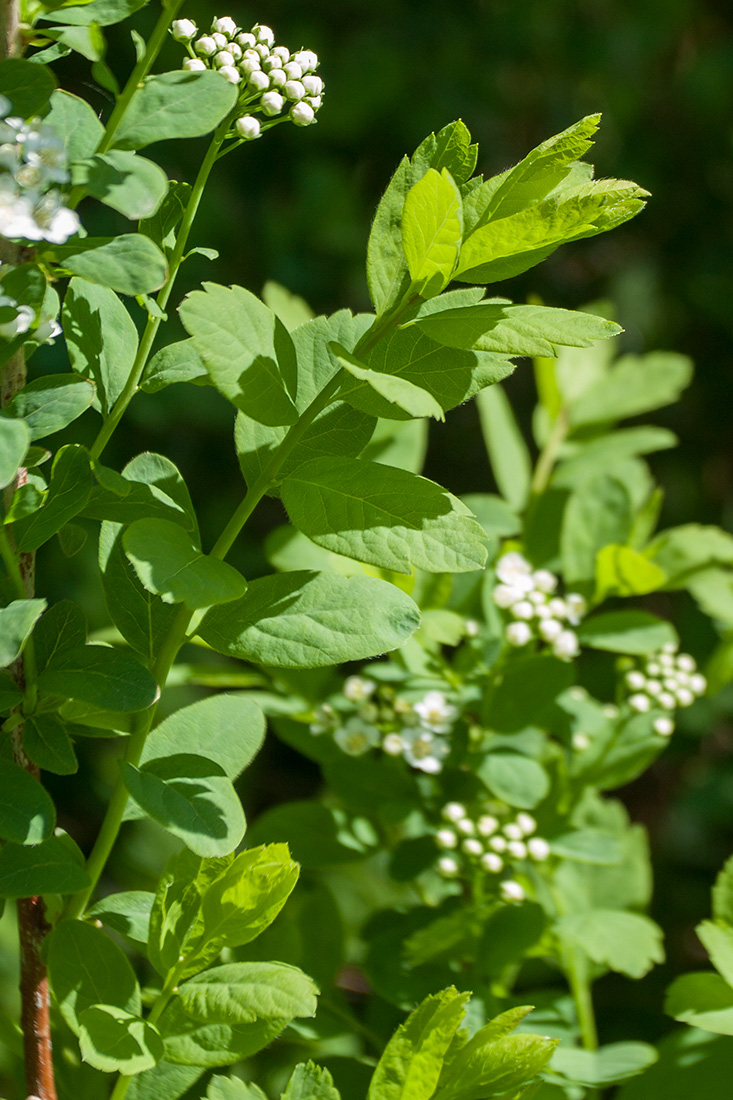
[274, 82]
[490, 839]
[529, 597]
[664, 681]
[32, 168]
[415, 731]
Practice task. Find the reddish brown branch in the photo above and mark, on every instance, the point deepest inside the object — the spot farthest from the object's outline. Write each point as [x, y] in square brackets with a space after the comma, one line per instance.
[34, 999]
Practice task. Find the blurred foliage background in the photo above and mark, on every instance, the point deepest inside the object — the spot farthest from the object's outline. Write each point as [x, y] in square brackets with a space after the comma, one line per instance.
[296, 208]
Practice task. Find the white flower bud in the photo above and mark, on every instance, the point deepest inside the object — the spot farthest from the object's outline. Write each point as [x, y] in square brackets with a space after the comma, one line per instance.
[513, 831]
[225, 25]
[487, 824]
[221, 40]
[685, 698]
[523, 609]
[576, 607]
[504, 595]
[272, 103]
[544, 580]
[307, 59]
[293, 89]
[283, 53]
[312, 84]
[667, 700]
[640, 703]
[513, 568]
[526, 823]
[301, 113]
[538, 848]
[558, 608]
[206, 45]
[393, 744]
[446, 838]
[518, 633]
[259, 81]
[686, 662]
[222, 58]
[490, 861]
[498, 844]
[635, 680]
[517, 849]
[581, 741]
[263, 34]
[248, 127]
[183, 30]
[566, 645]
[610, 710]
[313, 101]
[670, 647]
[549, 629]
[653, 669]
[471, 627]
[249, 64]
[698, 683]
[542, 611]
[511, 891]
[235, 51]
[262, 51]
[654, 688]
[447, 865]
[230, 73]
[246, 40]
[453, 811]
[666, 660]
[465, 826]
[670, 683]
[537, 598]
[292, 70]
[663, 726]
[472, 847]
[277, 78]
[193, 65]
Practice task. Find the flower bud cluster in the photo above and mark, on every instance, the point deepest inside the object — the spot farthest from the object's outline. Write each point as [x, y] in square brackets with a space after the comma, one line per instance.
[490, 839]
[538, 614]
[368, 716]
[663, 681]
[32, 167]
[274, 82]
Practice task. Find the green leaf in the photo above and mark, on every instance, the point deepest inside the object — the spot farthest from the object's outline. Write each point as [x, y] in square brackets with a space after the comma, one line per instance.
[411, 1064]
[241, 993]
[155, 489]
[717, 939]
[129, 263]
[635, 632]
[528, 687]
[87, 41]
[387, 273]
[494, 1061]
[627, 943]
[103, 12]
[175, 105]
[505, 446]
[399, 391]
[133, 185]
[383, 516]
[583, 460]
[515, 779]
[681, 551]
[101, 338]
[432, 230]
[27, 86]
[290, 308]
[68, 493]
[307, 620]
[163, 1082]
[703, 1000]
[192, 798]
[62, 626]
[233, 1088]
[599, 512]
[723, 894]
[14, 441]
[76, 124]
[179, 362]
[308, 1082]
[49, 404]
[47, 743]
[450, 148]
[108, 678]
[162, 226]
[402, 444]
[596, 1069]
[588, 846]
[493, 513]
[312, 831]
[16, 623]
[168, 563]
[515, 330]
[636, 384]
[175, 915]
[27, 814]
[113, 1040]
[621, 571]
[127, 913]
[246, 349]
[54, 867]
[86, 968]
[230, 726]
[191, 1042]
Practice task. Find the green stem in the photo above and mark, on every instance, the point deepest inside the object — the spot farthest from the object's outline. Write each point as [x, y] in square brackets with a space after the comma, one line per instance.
[151, 329]
[576, 971]
[548, 455]
[30, 668]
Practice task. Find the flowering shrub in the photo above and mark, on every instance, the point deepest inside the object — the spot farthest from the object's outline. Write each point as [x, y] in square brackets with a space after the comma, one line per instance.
[465, 774]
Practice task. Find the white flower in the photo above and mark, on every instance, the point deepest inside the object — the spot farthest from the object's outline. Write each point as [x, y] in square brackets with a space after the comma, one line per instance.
[230, 73]
[183, 30]
[686, 663]
[277, 78]
[447, 865]
[698, 684]
[514, 569]
[248, 127]
[523, 610]
[513, 831]
[56, 223]
[393, 744]
[225, 25]
[249, 65]
[558, 608]
[19, 324]
[292, 70]
[47, 332]
[504, 595]
[220, 39]
[435, 712]
[542, 611]
[566, 645]
[16, 215]
[576, 607]
[635, 680]
[498, 844]
[670, 683]
[356, 738]
[670, 647]
[259, 81]
[263, 34]
[424, 751]
[490, 861]
[654, 688]
[235, 50]
[581, 741]
[539, 599]
[358, 688]
[666, 660]
[472, 847]
[517, 848]
[205, 45]
[283, 53]
[526, 823]
[324, 719]
[685, 698]
[518, 633]
[222, 58]
[549, 629]
[308, 61]
[453, 811]
[667, 700]
[465, 826]
[653, 669]
[538, 848]
[472, 628]
[664, 726]
[193, 65]
[544, 580]
[640, 703]
[511, 891]
[312, 84]
[293, 89]
[246, 40]
[446, 838]
[487, 824]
